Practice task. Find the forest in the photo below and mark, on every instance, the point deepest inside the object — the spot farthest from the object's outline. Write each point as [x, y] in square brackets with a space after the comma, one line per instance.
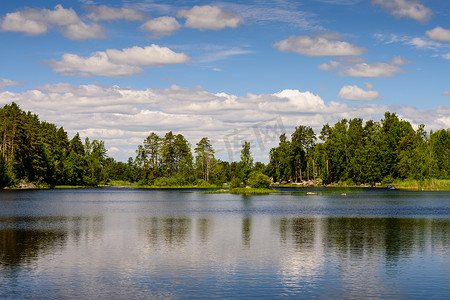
[350, 152]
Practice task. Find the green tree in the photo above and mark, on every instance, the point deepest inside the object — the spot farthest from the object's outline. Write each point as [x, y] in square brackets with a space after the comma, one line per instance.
[204, 157]
[259, 180]
[302, 140]
[246, 163]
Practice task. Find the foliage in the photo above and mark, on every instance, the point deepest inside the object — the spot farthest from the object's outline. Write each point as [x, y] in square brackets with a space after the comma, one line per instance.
[259, 180]
[40, 153]
[350, 152]
[253, 191]
[356, 153]
[246, 163]
[236, 183]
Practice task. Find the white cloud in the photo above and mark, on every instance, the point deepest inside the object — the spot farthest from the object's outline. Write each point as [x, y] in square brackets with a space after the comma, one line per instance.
[123, 117]
[423, 44]
[37, 22]
[210, 17]
[220, 53]
[368, 86]
[375, 70]
[353, 92]
[81, 31]
[150, 56]
[446, 93]
[446, 56]
[439, 34]
[29, 21]
[330, 66]
[405, 9]
[399, 61]
[106, 13]
[318, 46]
[117, 63]
[6, 82]
[161, 26]
[261, 12]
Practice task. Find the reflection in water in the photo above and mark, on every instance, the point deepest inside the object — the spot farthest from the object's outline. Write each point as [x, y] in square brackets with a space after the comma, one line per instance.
[27, 238]
[18, 246]
[357, 251]
[204, 227]
[357, 237]
[172, 231]
[111, 243]
[246, 231]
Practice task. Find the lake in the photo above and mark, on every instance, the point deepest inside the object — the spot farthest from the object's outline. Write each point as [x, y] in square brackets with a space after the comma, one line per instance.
[137, 243]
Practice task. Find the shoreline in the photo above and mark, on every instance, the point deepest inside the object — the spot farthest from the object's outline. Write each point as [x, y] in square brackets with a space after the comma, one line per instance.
[442, 185]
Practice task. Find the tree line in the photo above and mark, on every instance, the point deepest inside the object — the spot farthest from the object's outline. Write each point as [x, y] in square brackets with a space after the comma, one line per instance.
[41, 153]
[355, 152]
[349, 151]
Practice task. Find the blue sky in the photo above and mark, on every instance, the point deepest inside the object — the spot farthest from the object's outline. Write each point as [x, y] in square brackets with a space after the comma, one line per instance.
[117, 70]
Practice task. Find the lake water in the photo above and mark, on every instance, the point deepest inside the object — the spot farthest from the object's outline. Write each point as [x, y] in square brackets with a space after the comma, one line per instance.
[135, 243]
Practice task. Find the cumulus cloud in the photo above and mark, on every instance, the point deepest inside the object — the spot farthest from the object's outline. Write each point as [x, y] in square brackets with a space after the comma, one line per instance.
[161, 26]
[353, 92]
[446, 56]
[324, 45]
[375, 70]
[446, 93]
[405, 9]
[399, 61]
[359, 68]
[37, 22]
[106, 13]
[439, 34]
[6, 82]
[423, 44]
[117, 63]
[123, 117]
[210, 17]
[330, 66]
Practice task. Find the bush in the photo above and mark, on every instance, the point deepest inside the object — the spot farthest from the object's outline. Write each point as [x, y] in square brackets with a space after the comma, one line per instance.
[165, 181]
[258, 180]
[236, 183]
[202, 183]
[387, 180]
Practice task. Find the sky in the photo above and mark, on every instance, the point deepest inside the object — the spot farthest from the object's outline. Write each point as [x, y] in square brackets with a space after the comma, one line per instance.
[227, 70]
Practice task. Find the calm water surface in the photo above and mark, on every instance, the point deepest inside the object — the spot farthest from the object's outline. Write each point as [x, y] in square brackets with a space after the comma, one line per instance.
[129, 243]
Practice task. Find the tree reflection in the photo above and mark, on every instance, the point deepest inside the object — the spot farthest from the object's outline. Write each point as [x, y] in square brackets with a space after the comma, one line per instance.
[172, 231]
[204, 229]
[357, 238]
[25, 239]
[301, 230]
[246, 231]
[19, 245]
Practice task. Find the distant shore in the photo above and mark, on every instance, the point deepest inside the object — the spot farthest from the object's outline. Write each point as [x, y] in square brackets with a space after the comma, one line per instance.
[407, 184]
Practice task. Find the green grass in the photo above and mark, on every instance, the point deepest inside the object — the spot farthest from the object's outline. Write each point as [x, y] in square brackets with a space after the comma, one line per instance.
[296, 185]
[69, 186]
[173, 186]
[118, 183]
[244, 191]
[422, 185]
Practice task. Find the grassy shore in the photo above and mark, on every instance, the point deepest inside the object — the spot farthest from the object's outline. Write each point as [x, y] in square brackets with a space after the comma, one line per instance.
[173, 186]
[244, 191]
[422, 185]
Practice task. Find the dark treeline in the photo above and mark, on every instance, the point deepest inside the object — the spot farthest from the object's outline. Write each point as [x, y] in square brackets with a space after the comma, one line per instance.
[354, 152]
[350, 151]
[41, 153]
